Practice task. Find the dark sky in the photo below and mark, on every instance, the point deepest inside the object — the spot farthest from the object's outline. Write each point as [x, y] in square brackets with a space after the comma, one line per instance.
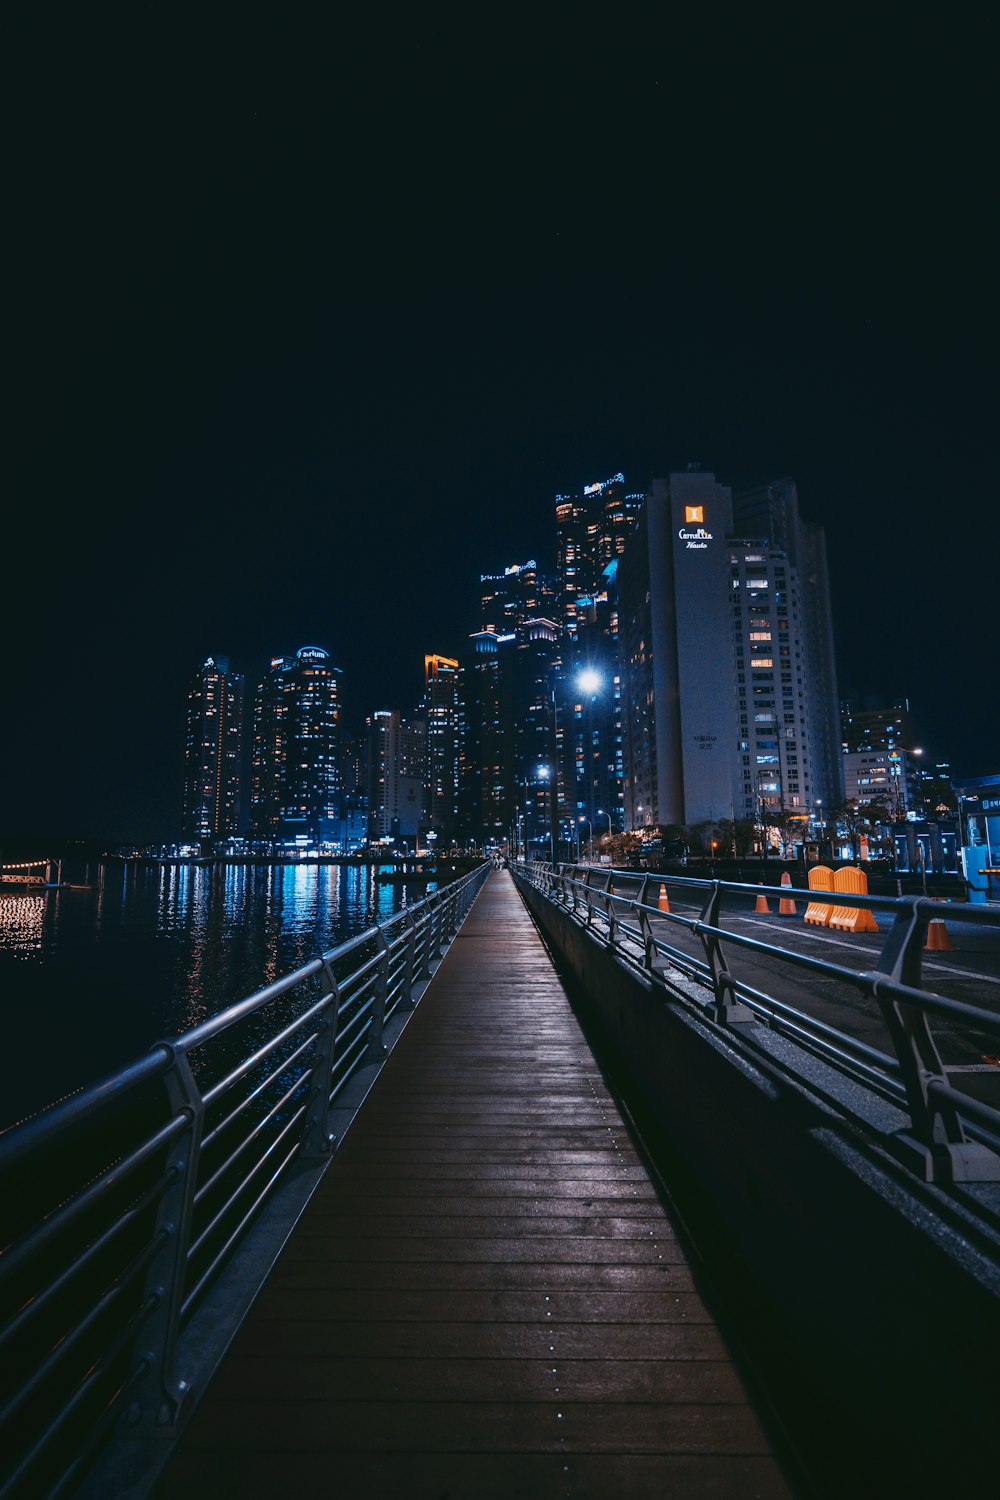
[292, 372]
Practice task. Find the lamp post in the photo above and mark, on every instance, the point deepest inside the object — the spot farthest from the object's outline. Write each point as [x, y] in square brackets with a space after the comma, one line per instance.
[590, 825]
[544, 774]
[589, 682]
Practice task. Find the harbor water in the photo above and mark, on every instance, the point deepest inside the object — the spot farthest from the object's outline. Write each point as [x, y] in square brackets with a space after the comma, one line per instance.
[92, 977]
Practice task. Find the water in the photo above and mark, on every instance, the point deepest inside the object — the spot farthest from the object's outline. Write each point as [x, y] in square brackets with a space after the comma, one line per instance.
[90, 979]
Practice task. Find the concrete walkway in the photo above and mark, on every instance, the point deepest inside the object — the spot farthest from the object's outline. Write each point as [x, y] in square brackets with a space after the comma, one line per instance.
[485, 1297]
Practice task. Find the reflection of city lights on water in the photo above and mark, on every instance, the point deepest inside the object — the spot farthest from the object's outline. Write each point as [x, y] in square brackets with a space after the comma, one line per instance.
[22, 923]
[149, 950]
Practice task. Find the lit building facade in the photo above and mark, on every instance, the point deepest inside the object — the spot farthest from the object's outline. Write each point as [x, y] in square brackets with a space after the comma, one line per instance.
[777, 762]
[213, 751]
[679, 707]
[771, 512]
[881, 776]
[295, 762]
[442, 712]
[383, 751]
[592, 527]
[509, 600]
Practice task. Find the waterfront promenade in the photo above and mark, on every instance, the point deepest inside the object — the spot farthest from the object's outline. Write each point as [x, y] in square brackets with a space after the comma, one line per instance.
[486, 1296]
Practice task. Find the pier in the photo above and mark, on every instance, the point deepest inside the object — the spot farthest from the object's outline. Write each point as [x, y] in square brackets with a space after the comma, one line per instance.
[556, 1183]
[487, 1295]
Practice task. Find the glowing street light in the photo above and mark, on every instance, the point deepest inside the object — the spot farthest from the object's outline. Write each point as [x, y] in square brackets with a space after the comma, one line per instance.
[589, 681]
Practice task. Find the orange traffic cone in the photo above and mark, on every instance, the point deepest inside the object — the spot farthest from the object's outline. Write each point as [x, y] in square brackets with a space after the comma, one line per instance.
[664, 902]
[938, 939]
[762, 903]
[786, 906]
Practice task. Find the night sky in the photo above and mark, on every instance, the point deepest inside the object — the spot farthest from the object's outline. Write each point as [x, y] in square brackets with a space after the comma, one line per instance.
[294, 373]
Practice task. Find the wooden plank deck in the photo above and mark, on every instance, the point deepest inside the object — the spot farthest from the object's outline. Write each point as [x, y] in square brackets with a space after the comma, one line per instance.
[485, 1297]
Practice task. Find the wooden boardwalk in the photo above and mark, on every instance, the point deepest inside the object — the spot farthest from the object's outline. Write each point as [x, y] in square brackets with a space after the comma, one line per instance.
[485, 1297]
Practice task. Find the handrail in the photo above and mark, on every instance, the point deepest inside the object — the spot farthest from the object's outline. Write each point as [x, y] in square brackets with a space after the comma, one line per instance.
[951, 1136]
[147, 1183]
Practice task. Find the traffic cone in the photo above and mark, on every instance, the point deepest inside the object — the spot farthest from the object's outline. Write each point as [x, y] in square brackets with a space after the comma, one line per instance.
[786, 906]
[762, 903]
[937, 938]
[664, 902]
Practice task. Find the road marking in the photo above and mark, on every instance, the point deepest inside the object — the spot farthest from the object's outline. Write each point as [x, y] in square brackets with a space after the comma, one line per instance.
[863, 948]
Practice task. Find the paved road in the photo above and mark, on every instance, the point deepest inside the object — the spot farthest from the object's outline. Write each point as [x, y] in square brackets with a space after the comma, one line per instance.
[970, 973]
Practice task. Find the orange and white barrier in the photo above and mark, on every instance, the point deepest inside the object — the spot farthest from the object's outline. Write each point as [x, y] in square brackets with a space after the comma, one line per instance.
[762, 905]
[852, 918]
[818, 912]
[664, 902]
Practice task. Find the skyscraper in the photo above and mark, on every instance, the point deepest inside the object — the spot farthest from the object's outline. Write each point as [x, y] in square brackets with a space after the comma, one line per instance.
[442, 710]
[722, 715]
[213, 746]
[382, 773]
[511, 598]
[593, 527]
[295, 770]
[678, 657]
[771, 512]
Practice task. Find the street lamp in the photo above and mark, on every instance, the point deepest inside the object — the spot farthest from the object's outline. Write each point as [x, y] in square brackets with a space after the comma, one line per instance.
[589, 681]
[543, 774]
[590, 826]
[602, 814]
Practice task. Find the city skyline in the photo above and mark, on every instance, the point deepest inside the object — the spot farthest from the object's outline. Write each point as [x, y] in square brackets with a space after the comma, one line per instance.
[278, 394]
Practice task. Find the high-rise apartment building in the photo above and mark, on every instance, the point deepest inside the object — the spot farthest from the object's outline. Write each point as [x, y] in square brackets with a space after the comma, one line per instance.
[592, 527]
[722, 717]
[295, 764]
[382, 773]
[876, 726]
[213, 747]
[486, 771]
[511, 598]
[442, 711]
[880, 756]
[771, 511]
[679, 701]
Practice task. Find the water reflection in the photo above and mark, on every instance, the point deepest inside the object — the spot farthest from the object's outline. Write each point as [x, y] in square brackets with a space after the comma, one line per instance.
[22, 920]
[90, 978]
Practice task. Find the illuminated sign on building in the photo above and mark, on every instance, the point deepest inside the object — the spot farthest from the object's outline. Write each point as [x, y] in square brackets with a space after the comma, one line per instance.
[695, 540]
[694, 514]
[595, 489]
[312, 653]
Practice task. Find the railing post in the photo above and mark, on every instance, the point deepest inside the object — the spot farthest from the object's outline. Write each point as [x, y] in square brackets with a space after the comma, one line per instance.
[376, 1026]
[726, 1009]
[422, 927]
[406, 1003]
[609, 906]
[317, 1140]
[646, 926]
[940, 1144]
[434, 939]
[159, 1395]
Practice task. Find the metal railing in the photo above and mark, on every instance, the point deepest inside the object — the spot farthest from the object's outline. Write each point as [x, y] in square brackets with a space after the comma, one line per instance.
[949, 1136]
[126, 1205]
